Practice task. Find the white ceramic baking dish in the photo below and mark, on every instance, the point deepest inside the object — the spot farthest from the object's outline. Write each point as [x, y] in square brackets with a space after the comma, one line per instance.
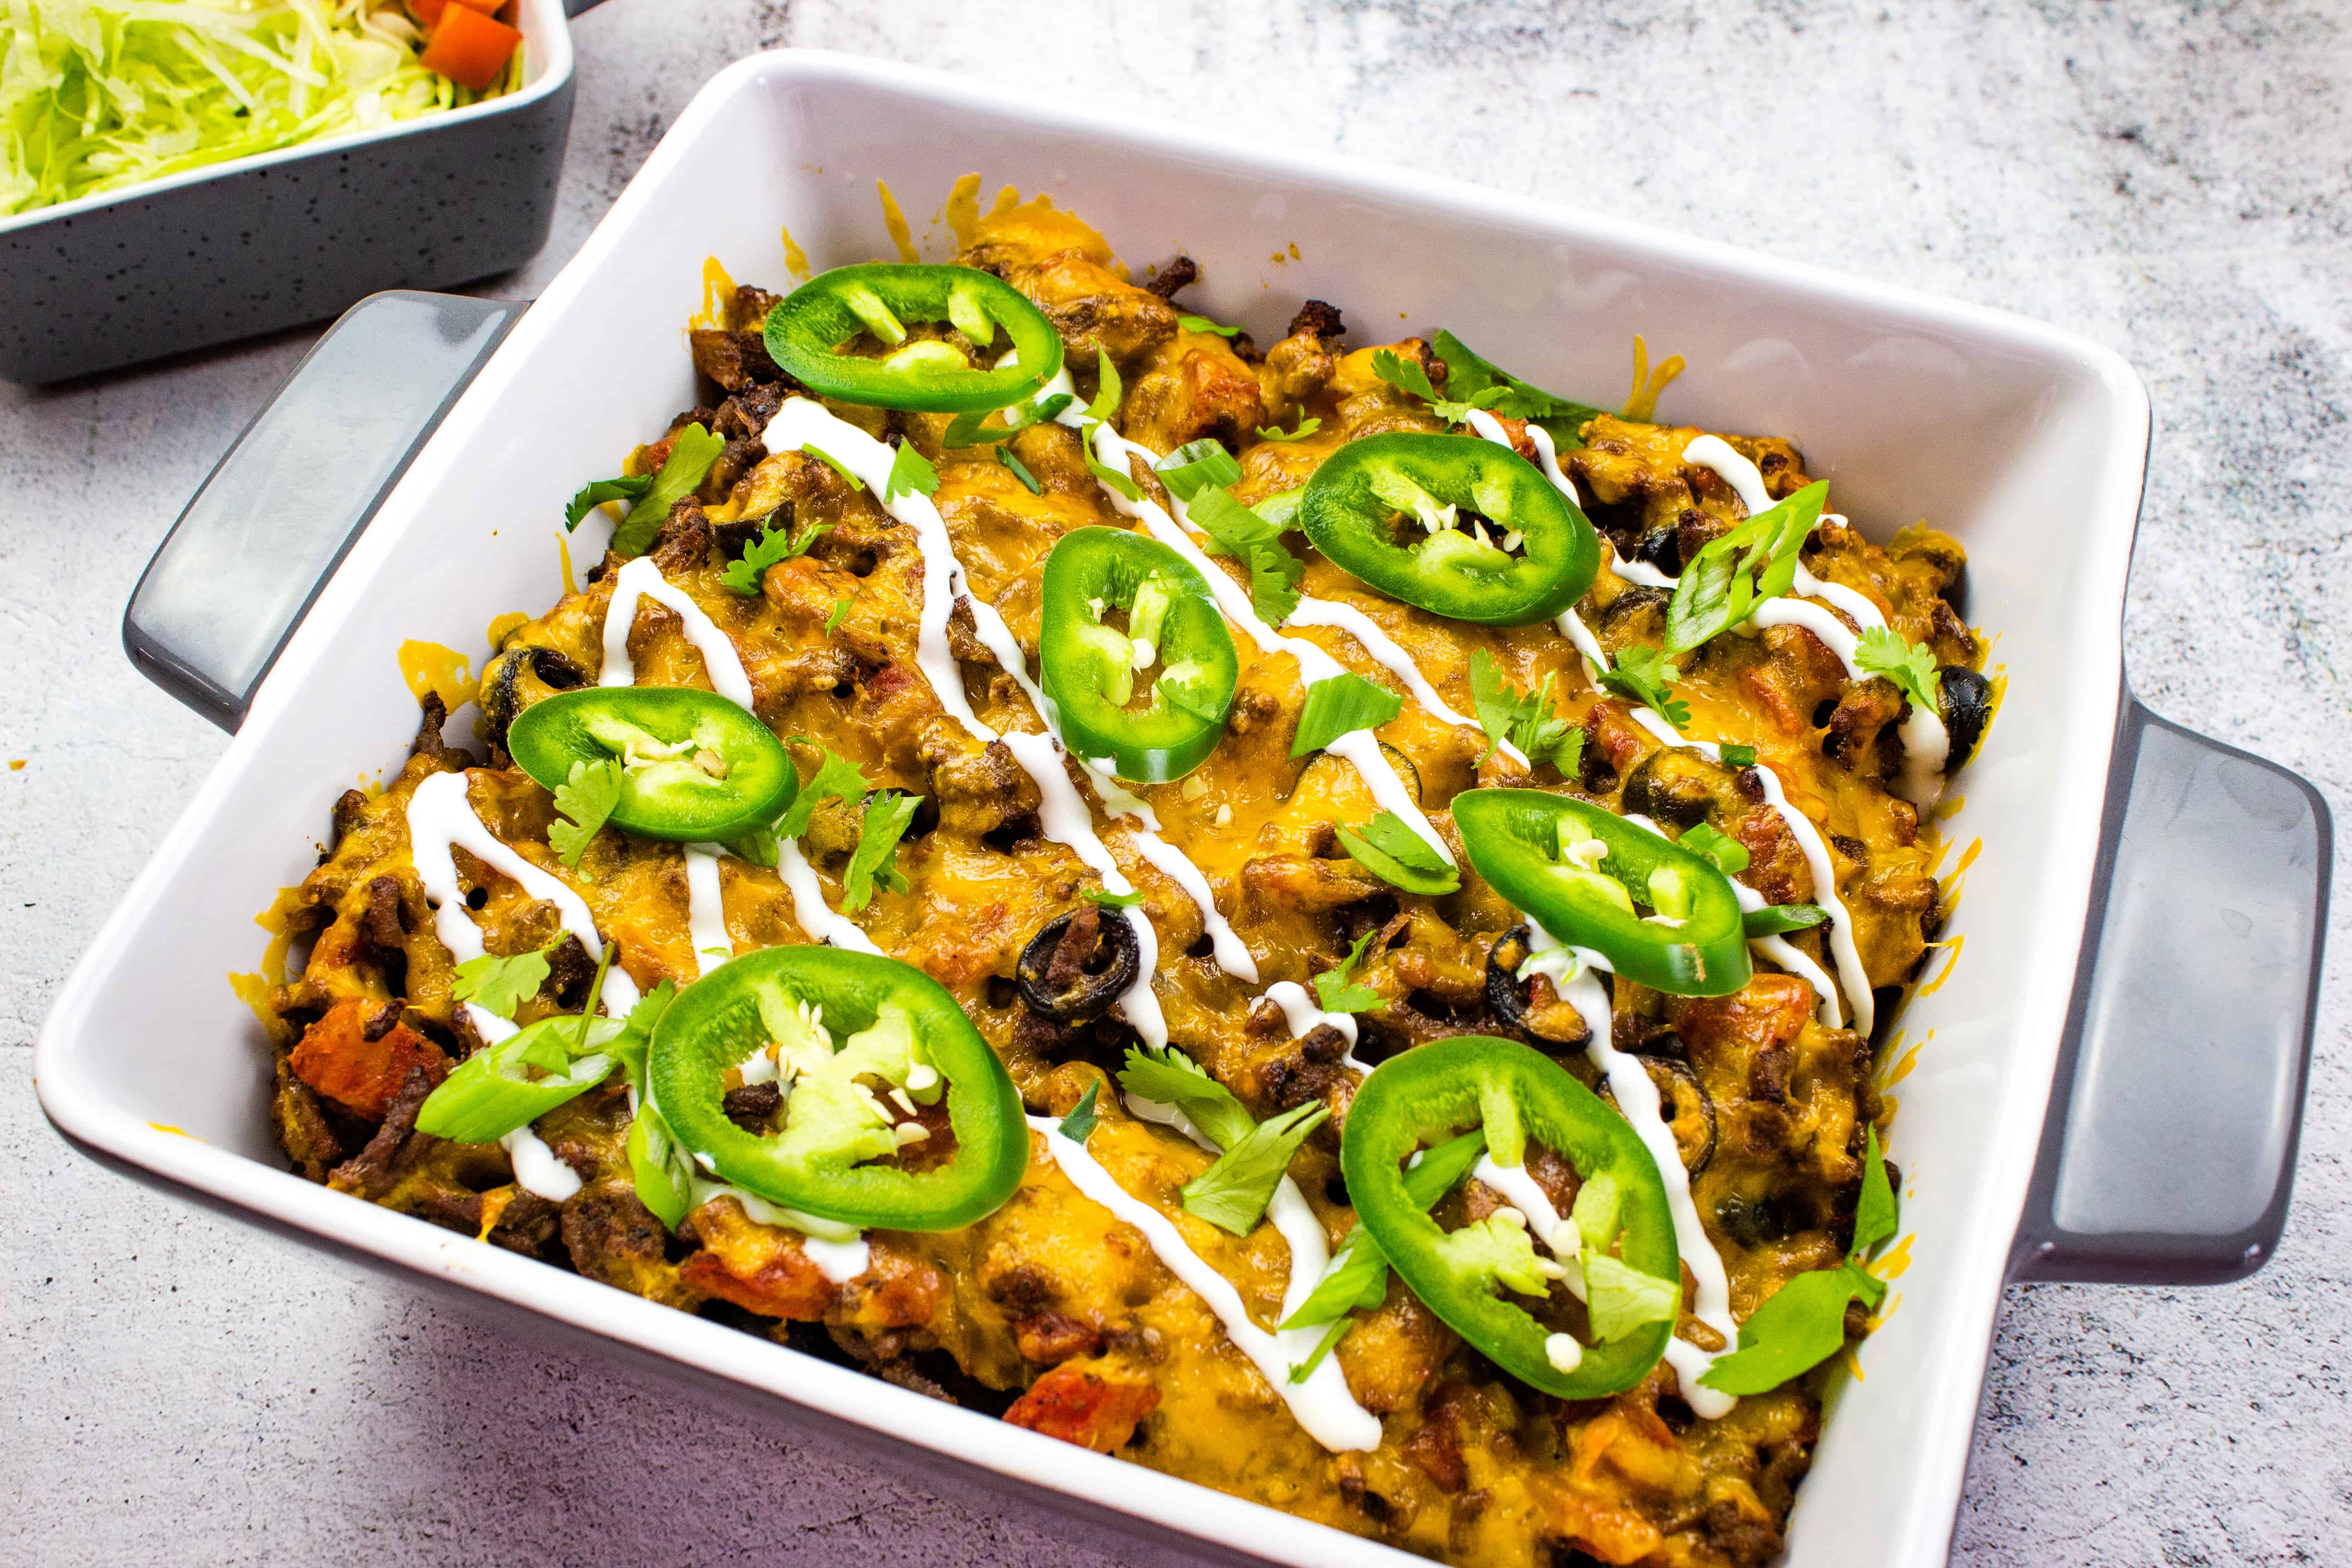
[2140, 926]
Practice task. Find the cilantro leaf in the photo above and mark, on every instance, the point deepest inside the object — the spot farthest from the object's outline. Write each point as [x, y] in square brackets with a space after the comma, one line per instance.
[1738, 756]
[1111, 900]
[1494, 1252]
[874, 861]
[911, 474]
[1755, 560]
[659, 1167]
[1641, 676]
[500, 985]
[1232, 1194]
[1703, 839]
[628, 486]
[1883, 651]
[1876, 1217]
[1336, 993]
[1800, 1326]
[1168, 1077]
[835, 779]
[690, 457]
[1194, 696]
[1019, 470]
[840, 613]
[1079, 1124]
[1274, 584]
[1202, 324]
[1340, 705]
[1622, 1299]
[1527, 721]
[1398, 856]
[1468, 375]
[1804, 1322]
[1254, 539]
[587, 796]
[1306, 427]
[1408, 375]
[772, 548]
[1778, 919]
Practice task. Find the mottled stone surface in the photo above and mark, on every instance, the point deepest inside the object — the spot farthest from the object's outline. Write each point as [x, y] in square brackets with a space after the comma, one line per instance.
[2168, 179]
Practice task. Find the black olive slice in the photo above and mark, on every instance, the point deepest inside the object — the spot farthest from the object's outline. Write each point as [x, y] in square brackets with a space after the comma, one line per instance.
[1077, 964]
[1968, 707]
[1556, 1025]
[501, 699]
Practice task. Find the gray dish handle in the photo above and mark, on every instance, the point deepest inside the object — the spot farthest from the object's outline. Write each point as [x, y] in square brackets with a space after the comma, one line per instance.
[2168, 1154]
[240, 568]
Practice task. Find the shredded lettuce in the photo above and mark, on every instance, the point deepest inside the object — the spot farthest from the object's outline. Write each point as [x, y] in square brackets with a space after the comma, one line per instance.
[96, 95]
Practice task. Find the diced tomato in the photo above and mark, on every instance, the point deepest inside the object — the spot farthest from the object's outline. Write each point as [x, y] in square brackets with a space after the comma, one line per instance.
[335, 1057]
[428, 12]
[1084, 1407]
[468, 47]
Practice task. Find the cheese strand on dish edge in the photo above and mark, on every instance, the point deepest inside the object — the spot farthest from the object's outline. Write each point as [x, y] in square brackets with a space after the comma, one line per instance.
[1322, 1403]
[1779, 950]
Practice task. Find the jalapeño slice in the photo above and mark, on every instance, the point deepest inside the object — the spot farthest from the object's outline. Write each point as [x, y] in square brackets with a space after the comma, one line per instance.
[695, 767]
[1090, 667]
[1620, 1236]
[1452, 524]
[851, 1032]
[1581, 871]
[808, 329]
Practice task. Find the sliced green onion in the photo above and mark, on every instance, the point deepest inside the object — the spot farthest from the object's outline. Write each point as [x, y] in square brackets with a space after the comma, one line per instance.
[1778, 919]
[488, 1095]
[1195, 465]
[1340, 705]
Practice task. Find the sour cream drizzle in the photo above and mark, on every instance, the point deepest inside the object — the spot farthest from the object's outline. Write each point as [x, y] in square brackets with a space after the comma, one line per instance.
[1926, 743]
[642, 579]
[1064, 816]
[1779, 950]
[1637, 1097]
[1301, 1016]
[1322, 1403]
[440, 820]
[706, 909]
[817, 917]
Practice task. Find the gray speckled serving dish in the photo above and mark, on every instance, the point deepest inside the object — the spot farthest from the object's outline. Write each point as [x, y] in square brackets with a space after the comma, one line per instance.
[289, 236]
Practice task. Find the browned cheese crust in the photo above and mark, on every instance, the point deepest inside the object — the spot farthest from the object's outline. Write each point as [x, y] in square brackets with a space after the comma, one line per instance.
[1050, 1311]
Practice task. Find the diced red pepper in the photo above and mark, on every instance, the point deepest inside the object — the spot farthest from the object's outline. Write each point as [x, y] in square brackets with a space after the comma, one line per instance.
[468, 47]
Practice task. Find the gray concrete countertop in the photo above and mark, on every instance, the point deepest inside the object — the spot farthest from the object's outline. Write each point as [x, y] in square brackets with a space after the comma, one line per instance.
[2168, 179]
